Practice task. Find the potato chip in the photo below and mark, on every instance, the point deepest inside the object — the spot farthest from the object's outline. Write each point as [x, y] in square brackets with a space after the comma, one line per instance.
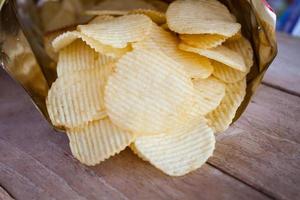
[106, 12]
[78, 56]
[68, 37]
[196, 66]
[123, 5]
[154, 15]
[120, 31]
[244, 48]
[98, 141]
[200, 17]
[236, 36]
[77, 98]
[226, 73]
[209, 93]
[181, 152]
[100, 19]
[221, 54]
[222, 116]
[148, 93]
[203, 41]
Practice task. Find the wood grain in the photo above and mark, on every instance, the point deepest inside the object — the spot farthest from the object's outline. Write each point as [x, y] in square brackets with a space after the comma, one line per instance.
[35, 162]
[4, 195]
[263, 147]
[284, 73]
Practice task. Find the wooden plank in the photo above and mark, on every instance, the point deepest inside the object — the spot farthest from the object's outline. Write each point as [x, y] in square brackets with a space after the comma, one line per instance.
[32, 154]
[284, 73]
[263, 147]
[4, 195]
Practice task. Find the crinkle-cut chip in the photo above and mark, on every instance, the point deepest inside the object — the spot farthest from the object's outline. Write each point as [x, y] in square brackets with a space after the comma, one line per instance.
[244, 48]
[226, 73]
[120, 31]
[222, 116]
[123, 5]
[149, 93]
[181, 152]
[78, 56]
[209, 93]
[155, 16]
[200, 17]
[70, 36]
[106, 12]
[165, 27]
[100, 19]
[203, 41]
[97, 141]
[236, 36]
[221, 54]
[78, 98]
[196, 66]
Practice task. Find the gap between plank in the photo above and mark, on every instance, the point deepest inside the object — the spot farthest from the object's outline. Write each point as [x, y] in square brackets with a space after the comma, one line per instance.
[240, 180]
[7, 192]
[281, 89]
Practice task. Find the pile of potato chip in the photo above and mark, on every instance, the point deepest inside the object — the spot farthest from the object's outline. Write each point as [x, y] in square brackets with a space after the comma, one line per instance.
[161, 83]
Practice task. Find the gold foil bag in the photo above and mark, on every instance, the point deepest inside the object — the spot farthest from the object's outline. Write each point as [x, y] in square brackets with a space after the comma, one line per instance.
[24, 56]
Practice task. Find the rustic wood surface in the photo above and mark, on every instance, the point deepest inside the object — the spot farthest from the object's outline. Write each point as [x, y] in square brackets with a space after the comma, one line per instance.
[257, 158]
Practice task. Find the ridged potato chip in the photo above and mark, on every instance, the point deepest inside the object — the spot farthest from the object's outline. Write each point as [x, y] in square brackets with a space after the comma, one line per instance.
[203, 41]
[106, 12]
[120, 31]
[149, 93]
[98, 141]
[78, 56]
[68, 37]
[220, 119]
[221, 54]
[228, 74]
[156, 16]
[181, 152]
[196, 66]
[78, 98]
[209, 93]
[200, 17]
[100, 19]
[124, 5]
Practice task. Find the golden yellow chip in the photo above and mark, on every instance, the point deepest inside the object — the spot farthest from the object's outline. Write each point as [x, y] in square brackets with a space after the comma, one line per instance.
[226, 73]
[106, 12]
[100, 19]
[156, 16]
[203, 41]
[200, 17]
[243, 47]
[196, 66]
[78, 56]
[149, 93]
[70, 36]
[221, 54]
[236, 36]
[123, 5]
[181, 152]
[209, 94]
[222, 116]
[98, 141]
[120, 31]
[77, 98]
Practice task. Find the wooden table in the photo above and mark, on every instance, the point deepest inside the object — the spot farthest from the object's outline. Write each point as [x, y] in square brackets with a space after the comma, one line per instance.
[257, 158]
